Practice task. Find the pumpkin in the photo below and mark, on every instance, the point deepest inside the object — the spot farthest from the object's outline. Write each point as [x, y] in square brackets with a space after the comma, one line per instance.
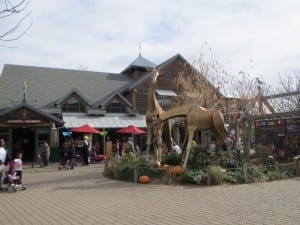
[144, 179]
[165, 167]
[176, 170]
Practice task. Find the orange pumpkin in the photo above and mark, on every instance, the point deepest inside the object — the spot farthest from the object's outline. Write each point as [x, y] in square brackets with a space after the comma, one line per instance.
[144, 179]
[176, 170]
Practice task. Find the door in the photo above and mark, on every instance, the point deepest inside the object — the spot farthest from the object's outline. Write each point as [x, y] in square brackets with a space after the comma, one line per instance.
[23, 139]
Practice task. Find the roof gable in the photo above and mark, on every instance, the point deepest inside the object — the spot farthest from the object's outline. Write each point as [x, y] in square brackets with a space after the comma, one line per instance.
[141, 62]
[77, 94]
[25, 112]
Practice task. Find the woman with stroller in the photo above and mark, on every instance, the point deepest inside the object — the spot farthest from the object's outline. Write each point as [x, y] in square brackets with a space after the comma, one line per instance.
[70, 155]
[3, 161]
[18, 165]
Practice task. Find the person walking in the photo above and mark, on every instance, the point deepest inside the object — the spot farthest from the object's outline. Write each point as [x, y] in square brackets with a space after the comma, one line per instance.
[3, 161]
[44, 154]
[117, 150]
[85, 151]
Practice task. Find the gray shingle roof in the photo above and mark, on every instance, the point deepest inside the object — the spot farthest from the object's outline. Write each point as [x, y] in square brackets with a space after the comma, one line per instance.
[45, 85]
[140, 61]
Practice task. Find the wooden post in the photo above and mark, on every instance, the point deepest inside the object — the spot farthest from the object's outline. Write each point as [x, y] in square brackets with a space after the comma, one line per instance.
[245, 172]
[297, 165]
[209, 175]
[277, 167]
[135, 174]
[169, 174]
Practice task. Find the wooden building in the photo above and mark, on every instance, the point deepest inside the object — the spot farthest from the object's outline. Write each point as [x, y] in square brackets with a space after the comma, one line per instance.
[38, 103]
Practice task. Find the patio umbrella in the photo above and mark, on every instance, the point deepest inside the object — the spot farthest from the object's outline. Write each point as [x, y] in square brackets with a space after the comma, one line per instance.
[131, 130]
[85, 129]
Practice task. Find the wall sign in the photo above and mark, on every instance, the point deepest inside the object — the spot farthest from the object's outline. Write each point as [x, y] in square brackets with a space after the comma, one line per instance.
[24, 121]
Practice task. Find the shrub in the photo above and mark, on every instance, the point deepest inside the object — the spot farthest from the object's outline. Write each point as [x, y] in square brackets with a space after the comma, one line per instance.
[216, 175]
[147, 170]
[193, 177]
[256, 174]
[235, 176]
[227, 162]
[128, 157]
[126, 173]
[109, 172]
[172, 159]
[274, 175]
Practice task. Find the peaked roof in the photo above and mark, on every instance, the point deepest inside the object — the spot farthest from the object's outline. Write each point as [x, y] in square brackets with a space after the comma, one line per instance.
[141, 62]
[46, 85]
[160, 66]
[30, 107]
[73, 91]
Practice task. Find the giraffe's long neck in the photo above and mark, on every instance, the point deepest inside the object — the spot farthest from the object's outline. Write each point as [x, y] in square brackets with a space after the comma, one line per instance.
[153, 104]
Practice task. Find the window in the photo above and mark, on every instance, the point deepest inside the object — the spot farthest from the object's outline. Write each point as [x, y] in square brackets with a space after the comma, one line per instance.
[115, 107]
[73, 105]
[164, 98]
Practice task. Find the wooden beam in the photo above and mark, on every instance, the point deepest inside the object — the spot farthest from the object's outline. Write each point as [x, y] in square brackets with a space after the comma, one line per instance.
[282, 95]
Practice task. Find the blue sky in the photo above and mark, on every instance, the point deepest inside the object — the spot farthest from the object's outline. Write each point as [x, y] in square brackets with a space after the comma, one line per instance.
[261, 37]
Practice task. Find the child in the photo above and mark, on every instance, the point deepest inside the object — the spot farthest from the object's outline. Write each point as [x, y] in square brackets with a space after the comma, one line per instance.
[13, 178]
[18, 165]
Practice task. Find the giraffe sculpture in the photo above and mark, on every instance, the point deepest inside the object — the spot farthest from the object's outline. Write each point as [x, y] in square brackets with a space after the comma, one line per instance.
[155, 109]
[196, 117]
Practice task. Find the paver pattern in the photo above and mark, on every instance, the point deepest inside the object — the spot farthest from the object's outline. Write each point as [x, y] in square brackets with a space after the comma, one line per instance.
[84, 196]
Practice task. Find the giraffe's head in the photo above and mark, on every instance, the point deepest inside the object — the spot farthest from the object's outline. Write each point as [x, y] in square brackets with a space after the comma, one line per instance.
[155, 74]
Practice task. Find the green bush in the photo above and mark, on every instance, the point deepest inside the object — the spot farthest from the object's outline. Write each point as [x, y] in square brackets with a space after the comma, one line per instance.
[227, 162]
[216, 175]
[109, 172]
[193, 177]
[256, 174]
[128, 157]
[146, 170]
[172, 159]
[126, 173]
[235, 176]
[274, 175]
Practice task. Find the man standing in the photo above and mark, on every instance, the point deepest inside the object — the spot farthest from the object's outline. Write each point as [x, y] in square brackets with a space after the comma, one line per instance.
[85, 151]
[45, 154]
[3, 161]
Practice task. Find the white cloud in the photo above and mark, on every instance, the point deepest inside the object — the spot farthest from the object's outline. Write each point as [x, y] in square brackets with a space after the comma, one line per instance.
[104, 35]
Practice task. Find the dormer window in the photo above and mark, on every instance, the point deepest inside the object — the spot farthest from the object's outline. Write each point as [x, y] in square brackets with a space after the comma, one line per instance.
[164, 98]
[73, 105]
[115, 107]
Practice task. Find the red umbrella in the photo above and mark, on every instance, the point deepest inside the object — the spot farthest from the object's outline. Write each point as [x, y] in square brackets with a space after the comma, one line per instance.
[86, 129]
[131, 130]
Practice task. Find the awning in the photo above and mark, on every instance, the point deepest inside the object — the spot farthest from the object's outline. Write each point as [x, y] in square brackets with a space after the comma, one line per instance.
[166, 93]
[108, 121]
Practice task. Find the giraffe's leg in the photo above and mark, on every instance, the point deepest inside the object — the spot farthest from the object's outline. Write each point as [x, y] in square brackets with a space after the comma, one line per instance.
[159, 144]
[149, 140]
[191, 131]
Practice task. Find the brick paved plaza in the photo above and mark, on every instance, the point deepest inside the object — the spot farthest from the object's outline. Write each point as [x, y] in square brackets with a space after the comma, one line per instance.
[84, 196]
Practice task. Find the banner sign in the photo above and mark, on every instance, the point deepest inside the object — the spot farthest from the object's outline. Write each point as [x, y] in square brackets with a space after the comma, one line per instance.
[24, 121]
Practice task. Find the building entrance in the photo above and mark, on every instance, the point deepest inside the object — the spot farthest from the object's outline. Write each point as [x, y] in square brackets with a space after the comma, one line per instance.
[23, 140]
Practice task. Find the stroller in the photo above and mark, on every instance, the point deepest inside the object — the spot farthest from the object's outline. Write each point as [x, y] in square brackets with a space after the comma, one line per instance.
[13, 182]
[66, 159]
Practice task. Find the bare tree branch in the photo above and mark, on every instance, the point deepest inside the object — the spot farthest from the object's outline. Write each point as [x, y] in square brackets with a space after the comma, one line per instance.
[12, 9]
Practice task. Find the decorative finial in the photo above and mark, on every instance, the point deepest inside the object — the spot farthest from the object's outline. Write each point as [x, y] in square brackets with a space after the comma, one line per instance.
[24, 91]
[140, 54]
